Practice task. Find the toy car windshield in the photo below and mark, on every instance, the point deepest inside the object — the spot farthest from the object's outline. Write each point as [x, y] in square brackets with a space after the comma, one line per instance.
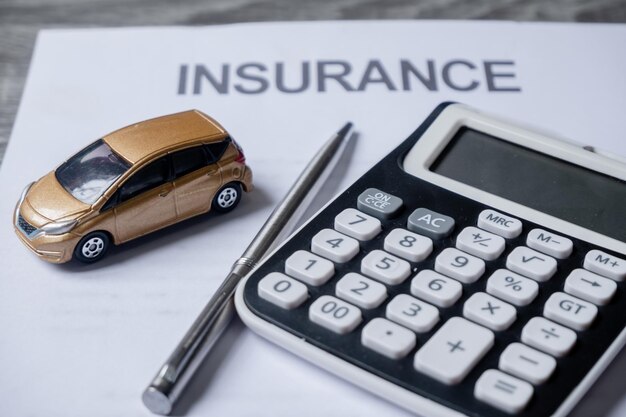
[89, 173]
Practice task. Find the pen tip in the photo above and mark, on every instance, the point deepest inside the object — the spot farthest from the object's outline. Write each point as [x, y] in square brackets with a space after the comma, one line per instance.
[345, 129]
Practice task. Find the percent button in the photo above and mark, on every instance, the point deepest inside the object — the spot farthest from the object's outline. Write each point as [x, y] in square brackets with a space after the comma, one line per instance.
[512, 287]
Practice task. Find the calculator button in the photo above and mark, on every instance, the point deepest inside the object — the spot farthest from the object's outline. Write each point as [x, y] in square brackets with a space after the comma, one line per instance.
[334, 314]
[379, 203]
[503, 391]
[548, 336]
[489, 311]
[500, 224]
[480, 243]
[570, 311]
[357, 289]
[357, 225]
[309, 268]
[589, 286]
[512, 287]
[531, 263]
[436, 288]
[387, 338]
[412, 313]
[527, 363]
[283, 291]
[408, 245]
[459, 265]
[429, 223]
[334, 246]
[385, 267]
[554, 245]
[453, 350]
[606, 265]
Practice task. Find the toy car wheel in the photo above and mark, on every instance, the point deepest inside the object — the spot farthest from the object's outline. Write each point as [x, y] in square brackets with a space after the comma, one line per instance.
[92, 247]
[227, 198]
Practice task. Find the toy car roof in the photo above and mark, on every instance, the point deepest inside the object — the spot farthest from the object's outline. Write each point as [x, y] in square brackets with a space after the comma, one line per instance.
[140, 140]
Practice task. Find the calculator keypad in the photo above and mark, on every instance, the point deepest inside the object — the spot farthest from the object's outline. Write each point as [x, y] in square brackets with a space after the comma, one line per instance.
[411, 290]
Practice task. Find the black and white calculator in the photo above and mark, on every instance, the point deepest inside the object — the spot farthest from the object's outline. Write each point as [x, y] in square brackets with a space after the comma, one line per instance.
[477, 270]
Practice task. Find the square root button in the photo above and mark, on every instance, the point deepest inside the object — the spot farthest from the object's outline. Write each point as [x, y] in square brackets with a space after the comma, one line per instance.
[379, 203]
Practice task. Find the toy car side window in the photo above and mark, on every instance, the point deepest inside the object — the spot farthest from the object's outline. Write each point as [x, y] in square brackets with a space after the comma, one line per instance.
[148, 177]
[217, 149]
[188, 160]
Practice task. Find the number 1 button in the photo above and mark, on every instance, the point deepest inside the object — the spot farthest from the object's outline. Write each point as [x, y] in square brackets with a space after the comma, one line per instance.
[334, 246]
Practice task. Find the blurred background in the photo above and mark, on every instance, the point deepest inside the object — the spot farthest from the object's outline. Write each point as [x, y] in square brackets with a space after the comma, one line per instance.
[20, 20]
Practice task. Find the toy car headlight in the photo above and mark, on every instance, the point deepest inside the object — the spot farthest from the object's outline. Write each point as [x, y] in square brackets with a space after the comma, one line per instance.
[58, 228]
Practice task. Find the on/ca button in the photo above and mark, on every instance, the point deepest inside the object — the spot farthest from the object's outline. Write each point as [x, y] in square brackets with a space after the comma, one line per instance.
[379, 203]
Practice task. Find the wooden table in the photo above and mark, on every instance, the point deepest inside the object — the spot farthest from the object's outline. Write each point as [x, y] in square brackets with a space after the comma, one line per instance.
[21, 19]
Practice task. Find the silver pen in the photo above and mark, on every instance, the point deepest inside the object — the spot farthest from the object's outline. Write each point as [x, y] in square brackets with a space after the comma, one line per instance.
[171, 380]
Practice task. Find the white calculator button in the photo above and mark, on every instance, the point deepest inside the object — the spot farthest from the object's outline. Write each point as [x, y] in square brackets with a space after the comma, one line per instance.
[309, 268]
[412, 313]
[436, 288]
[357, 224]
[554, 245]
[531, 263]
[385, 267]
[570, 311]
[480, 243]
[527, 363]
[590, 286]
[503, 391]
[606, 265]
[357, 289]
[500, 224]
[459, 265]
[453, 350]
[387, 338]
[548, 336]
[281, 290]
[334, 246]
[489, 311]
[334, 314]
[512, 287]
[408, 245]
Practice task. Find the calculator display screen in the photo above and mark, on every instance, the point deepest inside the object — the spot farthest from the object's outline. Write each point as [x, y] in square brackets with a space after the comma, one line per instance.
[564, 190]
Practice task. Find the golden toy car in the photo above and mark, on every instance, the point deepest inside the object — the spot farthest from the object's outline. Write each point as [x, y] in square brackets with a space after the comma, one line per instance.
[132, 182]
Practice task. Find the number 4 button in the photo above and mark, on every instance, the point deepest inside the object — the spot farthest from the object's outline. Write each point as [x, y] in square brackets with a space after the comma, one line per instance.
[333, 245]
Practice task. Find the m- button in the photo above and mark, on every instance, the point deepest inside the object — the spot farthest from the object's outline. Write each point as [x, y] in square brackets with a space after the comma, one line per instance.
[500, 224]
[549, 243]
[430, 223]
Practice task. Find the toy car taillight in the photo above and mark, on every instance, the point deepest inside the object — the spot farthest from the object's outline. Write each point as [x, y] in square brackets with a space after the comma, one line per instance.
[241, 158]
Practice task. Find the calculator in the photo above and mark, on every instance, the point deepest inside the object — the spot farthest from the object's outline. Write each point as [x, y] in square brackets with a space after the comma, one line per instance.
[476, 270]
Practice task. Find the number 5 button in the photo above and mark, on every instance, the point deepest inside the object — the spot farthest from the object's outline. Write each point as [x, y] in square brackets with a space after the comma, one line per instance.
[385, 267]
[334, 246]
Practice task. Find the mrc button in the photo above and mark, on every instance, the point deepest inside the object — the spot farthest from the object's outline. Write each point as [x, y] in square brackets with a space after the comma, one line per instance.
[500, 224]
[379, 203]
[430, 223]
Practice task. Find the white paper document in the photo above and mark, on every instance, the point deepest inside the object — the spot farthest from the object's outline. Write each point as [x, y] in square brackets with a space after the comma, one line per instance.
[80, 340]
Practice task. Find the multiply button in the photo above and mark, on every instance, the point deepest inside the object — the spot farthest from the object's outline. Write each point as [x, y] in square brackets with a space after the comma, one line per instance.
[453, 350]
[429, 223]
[604, 264]
[570, 311]
[379, 203]
[500, 224]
